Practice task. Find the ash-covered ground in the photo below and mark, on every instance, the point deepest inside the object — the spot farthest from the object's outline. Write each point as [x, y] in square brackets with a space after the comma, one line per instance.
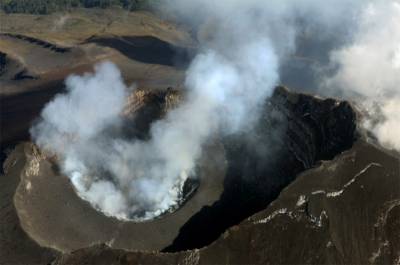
[230, 132]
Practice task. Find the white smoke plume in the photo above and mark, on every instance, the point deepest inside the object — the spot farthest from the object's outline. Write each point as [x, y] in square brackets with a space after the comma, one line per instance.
[226, 89]
[369, 69]
[241, 47]
[148, 175]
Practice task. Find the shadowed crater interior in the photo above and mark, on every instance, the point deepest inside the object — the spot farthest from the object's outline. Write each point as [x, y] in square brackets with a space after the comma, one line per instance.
[237, 175]
[147, 49]
[295, 132]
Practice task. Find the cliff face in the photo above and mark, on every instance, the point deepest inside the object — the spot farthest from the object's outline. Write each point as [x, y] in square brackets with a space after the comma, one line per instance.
[300, 187]
[318, 129]
[145, 106]
[294, 132]
[162, 100]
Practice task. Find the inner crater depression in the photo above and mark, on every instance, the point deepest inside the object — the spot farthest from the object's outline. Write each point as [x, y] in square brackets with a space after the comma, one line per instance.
[231, 179]
[100, 190]
[123, 174]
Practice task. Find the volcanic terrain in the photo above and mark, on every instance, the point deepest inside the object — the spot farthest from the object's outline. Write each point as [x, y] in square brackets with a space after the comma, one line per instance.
[329, 194]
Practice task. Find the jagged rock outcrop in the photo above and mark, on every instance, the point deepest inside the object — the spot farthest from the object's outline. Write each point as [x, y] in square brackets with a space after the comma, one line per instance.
[318, 129]
[145, 106]
[141, 98]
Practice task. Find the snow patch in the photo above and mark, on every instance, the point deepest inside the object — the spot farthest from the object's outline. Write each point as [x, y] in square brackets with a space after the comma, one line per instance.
[345, 186]
[273, 215]
[301, 201]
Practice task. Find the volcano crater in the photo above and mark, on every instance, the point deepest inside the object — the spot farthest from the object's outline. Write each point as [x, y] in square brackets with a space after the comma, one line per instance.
[237, 176]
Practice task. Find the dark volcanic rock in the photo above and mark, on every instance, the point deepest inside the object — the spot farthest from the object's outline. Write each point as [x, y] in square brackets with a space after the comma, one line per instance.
[290, 208]
[15, 245]
[147, 49]
[294, 133]
[345, 211]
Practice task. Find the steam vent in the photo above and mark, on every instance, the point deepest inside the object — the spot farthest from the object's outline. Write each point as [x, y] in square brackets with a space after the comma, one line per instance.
[185, 132]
